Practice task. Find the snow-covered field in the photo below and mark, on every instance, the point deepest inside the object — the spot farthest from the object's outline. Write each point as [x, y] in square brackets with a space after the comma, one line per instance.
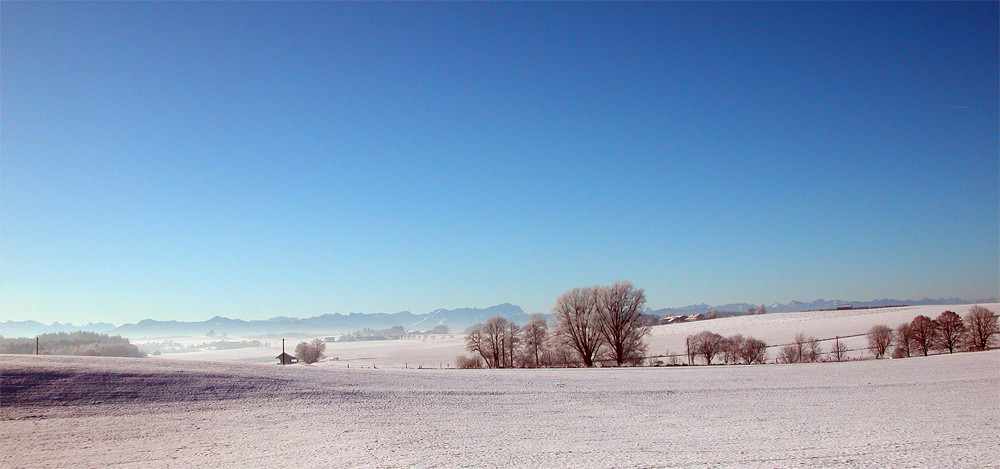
[774, 328]
[939, 411]
[780, 328]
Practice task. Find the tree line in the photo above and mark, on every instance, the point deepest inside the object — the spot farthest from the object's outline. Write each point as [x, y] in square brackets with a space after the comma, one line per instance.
[949, 332]
[72, 343]
[602, 323]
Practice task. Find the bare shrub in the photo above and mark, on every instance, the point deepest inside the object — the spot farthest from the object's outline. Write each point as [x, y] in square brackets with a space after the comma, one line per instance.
[879, 340]
[982, 327]
[790, 354]
[466, 363]
[950, 331]
[310, 352]
[813, 350]
[753, 351]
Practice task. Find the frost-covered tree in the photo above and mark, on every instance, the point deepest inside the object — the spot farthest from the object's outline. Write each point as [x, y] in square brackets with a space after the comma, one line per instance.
[496, 341]
[982, 327]
[535, 334]
[310, 352]
[879, 340]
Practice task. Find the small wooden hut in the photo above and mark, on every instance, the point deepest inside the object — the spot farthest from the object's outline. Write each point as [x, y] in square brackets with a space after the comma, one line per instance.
[286, 359]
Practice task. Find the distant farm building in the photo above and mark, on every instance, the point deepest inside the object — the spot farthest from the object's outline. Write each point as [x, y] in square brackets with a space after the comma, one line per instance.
[286, 359]
[672, 319]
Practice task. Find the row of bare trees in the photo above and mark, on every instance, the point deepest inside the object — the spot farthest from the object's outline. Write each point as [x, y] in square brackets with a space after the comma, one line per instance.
[593, 324]
[949, 332]
[500, 343]
[734, 349]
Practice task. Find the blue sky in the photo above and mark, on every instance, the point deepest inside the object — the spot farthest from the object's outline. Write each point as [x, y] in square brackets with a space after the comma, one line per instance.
[186, 160]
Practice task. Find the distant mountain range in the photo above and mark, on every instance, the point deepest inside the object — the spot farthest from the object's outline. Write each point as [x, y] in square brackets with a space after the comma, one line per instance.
[457, 320]
[795, 306]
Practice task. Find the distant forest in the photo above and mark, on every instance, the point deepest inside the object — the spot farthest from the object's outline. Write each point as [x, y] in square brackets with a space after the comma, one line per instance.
[72, 343]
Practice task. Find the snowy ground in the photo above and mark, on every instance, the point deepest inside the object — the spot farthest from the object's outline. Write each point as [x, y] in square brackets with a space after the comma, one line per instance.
[939, 411]
[441, 350]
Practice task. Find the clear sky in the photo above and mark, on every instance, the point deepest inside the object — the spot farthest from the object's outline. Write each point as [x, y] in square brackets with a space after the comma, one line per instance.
[186, 160]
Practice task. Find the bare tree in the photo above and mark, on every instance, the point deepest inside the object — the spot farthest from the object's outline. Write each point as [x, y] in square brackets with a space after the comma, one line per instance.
[535, 333]
[761, 309]
[731, 347]
[620, 307]
[577, 322]
[923, 333]
[879, 340]
[511, 343]
[839, 350]
[813, 350]
[753, 350]
[982, 327]
[475, 342]
[801, 344]
[802, 349]
[310, 352]
[950, 331]
[707, 344]
[903, 338]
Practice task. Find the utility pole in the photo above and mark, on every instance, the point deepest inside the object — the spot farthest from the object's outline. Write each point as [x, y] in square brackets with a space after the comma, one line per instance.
[282, 351]
[36, 345]
[687, 349]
